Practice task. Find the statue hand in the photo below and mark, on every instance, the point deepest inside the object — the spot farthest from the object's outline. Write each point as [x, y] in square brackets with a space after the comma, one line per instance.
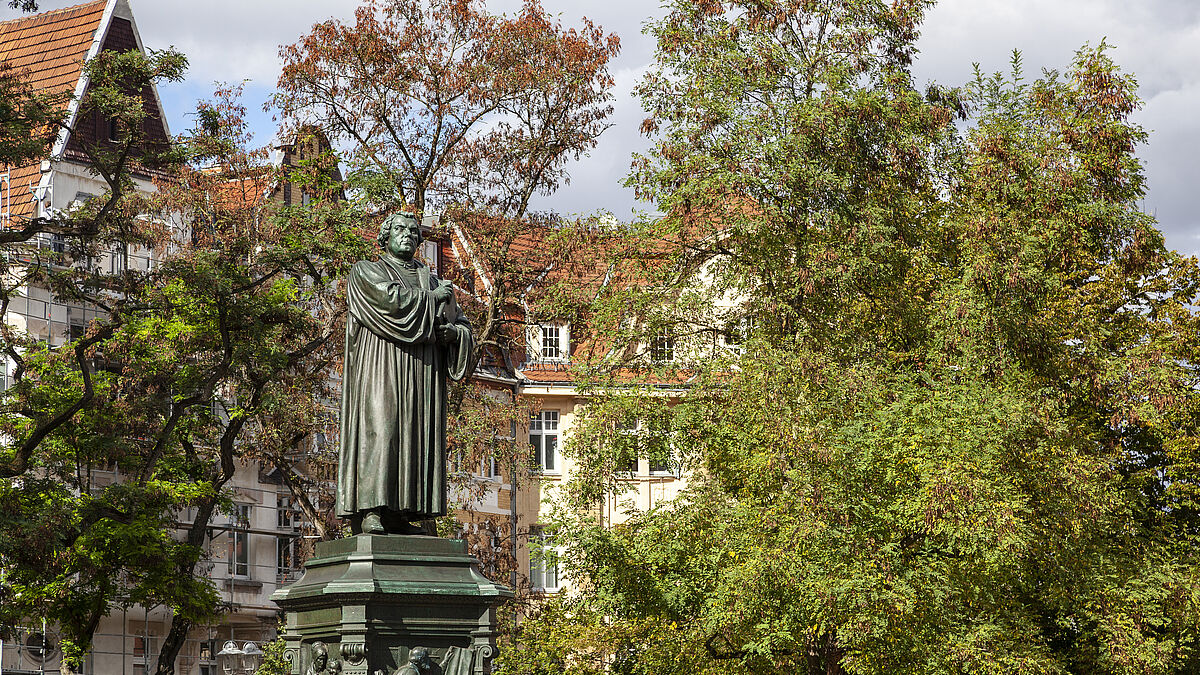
[446, 333]
[443, 293]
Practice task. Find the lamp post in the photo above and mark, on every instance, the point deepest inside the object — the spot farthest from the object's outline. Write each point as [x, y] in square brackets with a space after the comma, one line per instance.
[229, 659]
[252, 658]
[244, 661]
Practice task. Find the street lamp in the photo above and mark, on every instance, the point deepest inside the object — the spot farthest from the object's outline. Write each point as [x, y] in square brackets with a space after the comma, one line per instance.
[229, 659]
[244, 661]
[252, 657]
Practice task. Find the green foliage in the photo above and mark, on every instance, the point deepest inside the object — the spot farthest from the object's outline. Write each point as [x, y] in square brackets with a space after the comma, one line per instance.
[953, 426]
[274, 662]
[217, 355]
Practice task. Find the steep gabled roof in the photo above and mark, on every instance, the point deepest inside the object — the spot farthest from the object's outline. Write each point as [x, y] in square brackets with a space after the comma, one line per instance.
[49, 48]
[48, 51]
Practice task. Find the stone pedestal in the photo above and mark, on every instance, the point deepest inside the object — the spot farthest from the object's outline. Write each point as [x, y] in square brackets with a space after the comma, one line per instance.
[372, 599]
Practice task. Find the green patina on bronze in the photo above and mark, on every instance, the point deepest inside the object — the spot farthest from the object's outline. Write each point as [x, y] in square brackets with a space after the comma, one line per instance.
[404, 338]
[370, 601]
[379, 602]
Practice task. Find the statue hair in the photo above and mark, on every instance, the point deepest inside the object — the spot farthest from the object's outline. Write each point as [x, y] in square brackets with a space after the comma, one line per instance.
[385, 230]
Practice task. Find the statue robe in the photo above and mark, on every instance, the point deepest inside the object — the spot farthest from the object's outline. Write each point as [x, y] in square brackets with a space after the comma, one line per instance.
[393, 413]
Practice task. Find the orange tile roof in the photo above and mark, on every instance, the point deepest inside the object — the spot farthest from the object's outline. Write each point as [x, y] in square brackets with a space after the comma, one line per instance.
[550, 375]
[18, 193]
[46, 50]
[50, 47]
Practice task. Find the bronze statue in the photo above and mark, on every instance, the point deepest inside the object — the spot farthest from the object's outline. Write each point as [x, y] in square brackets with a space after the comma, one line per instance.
[419, 663]
[404, 337]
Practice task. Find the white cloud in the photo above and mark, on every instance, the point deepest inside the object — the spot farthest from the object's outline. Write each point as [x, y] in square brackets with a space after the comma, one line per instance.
[1158, 40]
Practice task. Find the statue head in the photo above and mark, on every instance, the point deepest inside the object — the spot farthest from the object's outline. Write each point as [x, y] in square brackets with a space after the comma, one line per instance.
[400, 234]
[419, 657]
[320, 656]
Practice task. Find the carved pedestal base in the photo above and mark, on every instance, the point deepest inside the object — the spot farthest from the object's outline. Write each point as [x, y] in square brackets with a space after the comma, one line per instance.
[368, 601]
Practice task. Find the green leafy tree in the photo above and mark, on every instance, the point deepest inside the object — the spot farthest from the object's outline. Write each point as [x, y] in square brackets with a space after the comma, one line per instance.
[218, 354]
[275, 660]
[444, 107]
[941, 409]
[73, 547]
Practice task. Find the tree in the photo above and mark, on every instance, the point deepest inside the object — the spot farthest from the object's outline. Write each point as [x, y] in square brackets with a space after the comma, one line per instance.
[943, 411]
[71, 546]
[254, 314]
[445, 108]
[217, 354]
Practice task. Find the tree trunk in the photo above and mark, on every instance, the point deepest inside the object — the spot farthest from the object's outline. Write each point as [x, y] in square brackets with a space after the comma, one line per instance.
[172, 644]
[180, 627]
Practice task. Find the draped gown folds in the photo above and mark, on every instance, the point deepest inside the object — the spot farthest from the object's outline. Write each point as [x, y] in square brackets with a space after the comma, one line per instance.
[393, 413]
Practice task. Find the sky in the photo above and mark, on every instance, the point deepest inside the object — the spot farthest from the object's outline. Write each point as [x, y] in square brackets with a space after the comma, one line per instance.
[1157, 40]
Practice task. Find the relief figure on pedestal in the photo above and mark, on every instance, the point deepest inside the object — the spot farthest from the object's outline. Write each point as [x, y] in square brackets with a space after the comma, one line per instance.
[320, 661]
[419, 663]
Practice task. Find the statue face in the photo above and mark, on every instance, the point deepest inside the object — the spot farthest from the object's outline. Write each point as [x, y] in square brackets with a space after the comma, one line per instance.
[405, 237]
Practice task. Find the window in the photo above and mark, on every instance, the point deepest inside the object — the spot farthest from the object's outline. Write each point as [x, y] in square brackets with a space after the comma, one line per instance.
[208, 650]
[654, 448]
[144, 652]
[286, 516]
[662, 347]
[737, 331]
[543, 436]
[287, 558]
[114, 129]
[629, 462]
[239, 542]
[549, 342]
[120, 258]
[659, 464]
[551, 346]
[429, 254]
[488, 468]
[543, 564]
[38, 647]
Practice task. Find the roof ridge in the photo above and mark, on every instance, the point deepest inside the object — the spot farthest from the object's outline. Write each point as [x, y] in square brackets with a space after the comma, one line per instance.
[49, 12]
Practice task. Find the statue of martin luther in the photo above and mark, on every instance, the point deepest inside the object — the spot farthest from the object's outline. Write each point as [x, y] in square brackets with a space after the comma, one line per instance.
[404, 337]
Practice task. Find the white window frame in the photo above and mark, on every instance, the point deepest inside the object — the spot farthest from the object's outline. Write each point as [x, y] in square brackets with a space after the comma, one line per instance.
[239, 530]
[662, 347]
[538, 346]
[546, 424]
[538, 571]
[429, 253]
[489, 468]
[287, 557]
[660, 469]
[287, 515]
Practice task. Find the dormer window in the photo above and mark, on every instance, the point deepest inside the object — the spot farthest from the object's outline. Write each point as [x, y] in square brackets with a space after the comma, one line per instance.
[662, 347]
[549, 342]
